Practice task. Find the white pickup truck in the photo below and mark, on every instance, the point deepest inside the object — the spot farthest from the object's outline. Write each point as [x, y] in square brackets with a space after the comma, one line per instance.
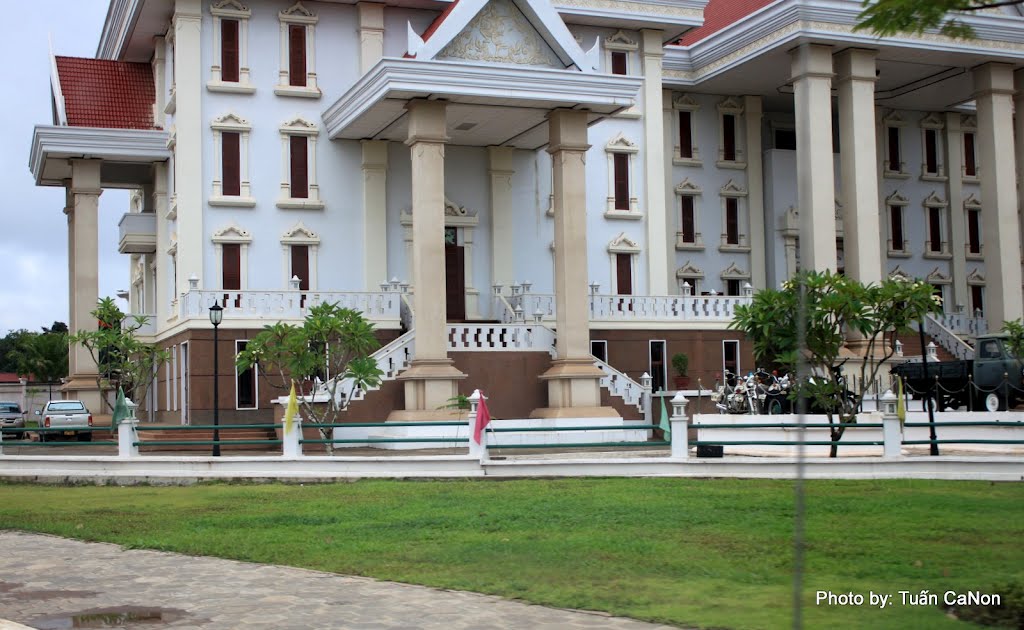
[69, 415]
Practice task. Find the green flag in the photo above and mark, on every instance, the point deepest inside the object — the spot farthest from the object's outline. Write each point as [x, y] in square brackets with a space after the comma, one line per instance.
[120, 408]
[666, 428]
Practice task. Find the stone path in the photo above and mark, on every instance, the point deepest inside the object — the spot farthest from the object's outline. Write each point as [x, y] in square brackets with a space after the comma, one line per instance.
[48, 583]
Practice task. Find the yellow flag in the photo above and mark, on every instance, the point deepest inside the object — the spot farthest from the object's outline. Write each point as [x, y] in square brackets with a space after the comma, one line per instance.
[901, 408]
[290, 410]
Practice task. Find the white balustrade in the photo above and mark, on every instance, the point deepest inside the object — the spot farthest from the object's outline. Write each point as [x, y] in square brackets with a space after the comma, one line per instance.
[962, 324]
[500, 338]
[391, 360]
[278, 305]
[935, 328]
[656, 307]
[620, 385]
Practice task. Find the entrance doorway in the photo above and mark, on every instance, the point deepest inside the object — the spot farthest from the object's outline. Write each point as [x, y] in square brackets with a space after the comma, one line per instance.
[455, 276]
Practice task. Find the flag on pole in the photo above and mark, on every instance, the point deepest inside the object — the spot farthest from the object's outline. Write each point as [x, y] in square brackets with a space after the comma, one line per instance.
[483, 418]
[120, 408]
[291, 410]
[666, 428]
[901, 407]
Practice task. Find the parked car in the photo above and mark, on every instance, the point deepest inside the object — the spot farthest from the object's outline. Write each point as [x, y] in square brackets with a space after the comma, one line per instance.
[12, 417]
[70, 415]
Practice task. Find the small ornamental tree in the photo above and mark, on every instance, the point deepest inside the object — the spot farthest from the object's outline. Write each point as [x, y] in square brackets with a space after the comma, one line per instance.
[122, 360]
[327, 358]
[835, 308]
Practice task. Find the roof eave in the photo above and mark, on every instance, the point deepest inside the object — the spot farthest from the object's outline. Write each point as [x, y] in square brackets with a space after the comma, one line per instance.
[121, 145]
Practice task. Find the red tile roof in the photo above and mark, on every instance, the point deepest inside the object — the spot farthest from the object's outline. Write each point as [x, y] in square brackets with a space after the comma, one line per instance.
[102, 93]
[9, 377]
[719, 14]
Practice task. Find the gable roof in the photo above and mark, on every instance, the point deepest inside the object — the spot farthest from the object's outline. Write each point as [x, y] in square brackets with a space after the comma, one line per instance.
[102, 93]
[719, 14]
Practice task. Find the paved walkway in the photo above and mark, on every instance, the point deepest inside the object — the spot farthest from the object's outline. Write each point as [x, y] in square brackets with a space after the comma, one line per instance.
[48, 582]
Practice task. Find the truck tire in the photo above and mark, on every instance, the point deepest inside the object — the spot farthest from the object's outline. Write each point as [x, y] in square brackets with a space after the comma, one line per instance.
[994, 402]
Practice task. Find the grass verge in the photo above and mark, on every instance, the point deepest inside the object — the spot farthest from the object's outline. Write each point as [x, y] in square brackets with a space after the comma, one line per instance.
[707, 553]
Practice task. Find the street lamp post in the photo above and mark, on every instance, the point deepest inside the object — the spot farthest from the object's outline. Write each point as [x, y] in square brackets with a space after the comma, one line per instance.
[216, 316]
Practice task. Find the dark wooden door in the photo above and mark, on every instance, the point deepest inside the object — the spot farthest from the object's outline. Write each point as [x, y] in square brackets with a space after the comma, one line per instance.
[455, 282]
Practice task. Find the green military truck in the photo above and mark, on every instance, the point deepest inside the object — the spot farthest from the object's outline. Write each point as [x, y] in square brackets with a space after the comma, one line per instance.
[992, 381]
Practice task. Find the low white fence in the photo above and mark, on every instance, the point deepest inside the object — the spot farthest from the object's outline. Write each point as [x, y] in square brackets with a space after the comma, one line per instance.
[290, 304]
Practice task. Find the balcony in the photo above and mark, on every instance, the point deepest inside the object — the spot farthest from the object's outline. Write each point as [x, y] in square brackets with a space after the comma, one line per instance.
[711, 310]
[138, 233]
[380, 308]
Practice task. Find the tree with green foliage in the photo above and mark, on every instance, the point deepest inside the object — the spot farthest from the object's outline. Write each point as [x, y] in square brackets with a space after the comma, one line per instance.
[9, 344]
[891, 17]
[122, 360]
[833, 308]
[327, 359]
[43, 356]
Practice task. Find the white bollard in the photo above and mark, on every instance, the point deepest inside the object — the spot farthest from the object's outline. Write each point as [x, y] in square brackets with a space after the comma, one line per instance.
[478, 451]
[680, 443]
[892, 433]
[127, 436]
[290, 446]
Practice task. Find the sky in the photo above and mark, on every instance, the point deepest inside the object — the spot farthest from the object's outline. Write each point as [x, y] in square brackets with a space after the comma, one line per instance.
[33, 228]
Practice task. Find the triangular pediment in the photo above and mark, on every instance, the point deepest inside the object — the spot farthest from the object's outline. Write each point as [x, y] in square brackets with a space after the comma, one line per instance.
[521, 32]
[938, 277]
[689, 270]
[899, 274]
[232, 234]
[975, 277]
[687, 187]
[896, 199]
[732, 272]
[622, 244]
[300, 234]
[934, 201]
[972, 203]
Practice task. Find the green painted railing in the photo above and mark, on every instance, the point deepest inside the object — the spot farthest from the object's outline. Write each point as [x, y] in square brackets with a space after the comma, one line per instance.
[582, 445]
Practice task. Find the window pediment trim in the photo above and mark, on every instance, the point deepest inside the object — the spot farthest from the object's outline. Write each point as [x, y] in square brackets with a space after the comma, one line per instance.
[299, 234]
[687, 187]
[686, 103]
[968, 122]
[732, 189]
[934, 201]
[896, 199]
[621, 144]
[232, 234]
[298, 14]
[230, 9]
[622, 244]
[898, 274]
[231, 122]
[937, 277]
[620, 41]
[689, 270]
[730, 105]
[976, 278]
[894, 119]
[732, 272]
[933, 121]
[299, 126]
[972, 203]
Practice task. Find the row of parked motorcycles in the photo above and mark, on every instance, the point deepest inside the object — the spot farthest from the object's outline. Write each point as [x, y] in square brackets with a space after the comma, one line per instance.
[763, 392]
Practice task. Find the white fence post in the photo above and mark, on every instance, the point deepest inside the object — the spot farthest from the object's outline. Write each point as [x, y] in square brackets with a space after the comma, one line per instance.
[892, 436]
[290, 446]
[680, 444]
[476, 450]
[127, 436]
[647, 383]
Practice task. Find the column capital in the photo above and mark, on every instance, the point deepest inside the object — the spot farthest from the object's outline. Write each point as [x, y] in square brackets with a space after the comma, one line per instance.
[427, 121]
[856, 64]
[993, 78]
[567, 131]
[811, 60]
[85, 177]
[653, 42]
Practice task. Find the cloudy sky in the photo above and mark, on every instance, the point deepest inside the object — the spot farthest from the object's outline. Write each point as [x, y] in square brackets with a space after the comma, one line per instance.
[33, 228]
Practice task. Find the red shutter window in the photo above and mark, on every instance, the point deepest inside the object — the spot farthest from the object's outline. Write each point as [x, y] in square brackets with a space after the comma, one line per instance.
[624, 274]
[685, 135]
[973, 232]
[935, 229]
[732, 221]
[229, 50]
[687, 223]
[231, 259]
[300, 265]
[299, 168]
[896, 223]
[970, 167]
[297, 55]
[977, 299]
[621, 181]
[931, 152]
[619, 63]
[729, 137]
[894, 149]
[230, 164]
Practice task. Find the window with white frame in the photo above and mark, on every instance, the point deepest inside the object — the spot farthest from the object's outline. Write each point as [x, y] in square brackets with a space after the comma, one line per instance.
[969, 126]
[936, 215]
[623, 253]
[734, 219]
[622, 200]
[231, 255]
[231, 186]
[972, 217]
[599, 348]
[297, 76]
[896, 205]
[976, 289]
[247, 388]
[735, 280]
[299, 246]
[690, 278]
[230, 69]
[686, 152]
[940, 282]
[298, 153]
[731, 149]
[620, 50]
[688, 237]
[894, 165]
[932, 166]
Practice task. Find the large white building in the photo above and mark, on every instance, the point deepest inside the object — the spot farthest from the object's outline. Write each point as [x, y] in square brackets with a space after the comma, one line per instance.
[620, 173]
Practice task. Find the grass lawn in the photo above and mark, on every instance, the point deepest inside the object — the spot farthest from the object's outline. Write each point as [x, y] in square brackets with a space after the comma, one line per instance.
[708, 553]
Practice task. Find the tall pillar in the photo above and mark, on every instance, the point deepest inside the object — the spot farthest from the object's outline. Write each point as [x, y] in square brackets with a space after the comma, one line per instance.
[1018, 127]
[812, 98]
[573, 379]
[855, 70]
[159, 303]
[658, 227]
[85, 190]
[993, 93]
[431, 379]
[69, 212]
[753, 110]
[958, 229]
[502, 215]
[188, 153]
[371, 34]
[375, 226]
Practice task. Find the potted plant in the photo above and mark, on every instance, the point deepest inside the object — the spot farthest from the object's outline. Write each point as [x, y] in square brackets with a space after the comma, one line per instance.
[681, 364]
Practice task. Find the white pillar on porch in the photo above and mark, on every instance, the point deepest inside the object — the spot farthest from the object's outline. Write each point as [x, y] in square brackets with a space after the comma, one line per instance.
[188, 153]
[993, 93]
[753, 109]
[573, 379]
[812, 98]
[502, 215]
[654, 165]
[84, 263]
[375, 227]
[958, 229]
[431, 379]
[855, 76]
[371, 34]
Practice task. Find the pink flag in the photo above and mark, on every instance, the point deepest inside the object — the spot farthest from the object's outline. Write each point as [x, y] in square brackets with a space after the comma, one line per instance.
[483, 418]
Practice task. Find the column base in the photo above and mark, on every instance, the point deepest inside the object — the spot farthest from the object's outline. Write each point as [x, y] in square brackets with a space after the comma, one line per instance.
[574, 391]
[430, 384]
[83, 387]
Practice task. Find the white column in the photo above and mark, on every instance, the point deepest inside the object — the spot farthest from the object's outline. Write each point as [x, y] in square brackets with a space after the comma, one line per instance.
[371, 34]
[958, 229]
[1018, 128]
[502, 215]
[855, 71]
[375, 227]
[188, 121]
[85, 188]
[159, 64]
[654, 166]
[69, 212]
[993, 92]
[431, 379]
[573, 380]
[812, 98]
[753, 108]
